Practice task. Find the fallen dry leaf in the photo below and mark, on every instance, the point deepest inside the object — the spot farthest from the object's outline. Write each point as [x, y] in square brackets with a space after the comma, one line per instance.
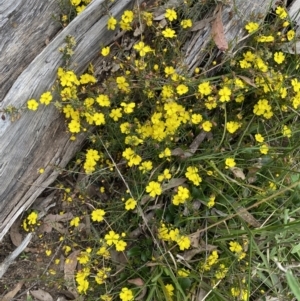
[248, 217]
[9, 296]
[183, 154]
[247, 80]
[175, 182]
[69, 270]
[136, 281]
[142, 294]
[139, 30]
[217, 31]
[238, 173]
[202, 24]
[15, 235]
[52, 221]
[41, 295]
[195, 239]
[189, 254]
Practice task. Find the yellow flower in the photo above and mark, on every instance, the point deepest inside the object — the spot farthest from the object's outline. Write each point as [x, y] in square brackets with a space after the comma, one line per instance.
[211, 201]
[74, 126]
[32, 218]
[127, 16]
[120, 245]
[171, 14]
[170, 289]
[232, 126]
[128, 107]
[103, 100]
[142, 48]
[264, 149]
[98, 215]
[106, 298]
[281, 12]
[229, 162]
[196, 118]
[285, 24]
[183, 194]
[75, 221]
[46, 98]
[48, 252]
[286, 131]
[224, 94]
[184, 242]
[193, 175]
[279, 57]
[154, 189]
[83, 257]
[169, 33]
[166, 153]
[32, 104]
[166, 175]
[290, 35]
[147, 17]
[186, 23]
[205, 88]
[265, 39]
[183, 273]
[182, 89]
[235, 247]
[207, 125]
[146, 166]
[103, 252]
[82, 286]
[98, 118]
[221, 272]
[130, 204]
[111, 238]
[259, 138]
[105, 51]
[80, 8]
[116, 114]
[87, 78]
[111, 23]
[126, 294]
[122, 84]
[75, 2]
[251, 27]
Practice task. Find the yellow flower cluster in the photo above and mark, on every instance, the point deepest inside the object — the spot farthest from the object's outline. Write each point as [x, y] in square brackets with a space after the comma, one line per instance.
[30, 221]
[132, 158]
[81, 279]
[182, 195]
[91, 158]
[211, 260]
[174, 235]
[113, 238]
[45, 99]
[193, 175]
[236, 248]
[263, 108]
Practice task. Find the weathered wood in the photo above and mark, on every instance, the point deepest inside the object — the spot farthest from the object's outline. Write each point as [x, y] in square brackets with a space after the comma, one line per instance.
[25, 27]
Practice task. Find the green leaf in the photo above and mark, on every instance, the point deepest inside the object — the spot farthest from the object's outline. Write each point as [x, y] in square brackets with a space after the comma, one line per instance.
[293, 284]
[296, 249]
